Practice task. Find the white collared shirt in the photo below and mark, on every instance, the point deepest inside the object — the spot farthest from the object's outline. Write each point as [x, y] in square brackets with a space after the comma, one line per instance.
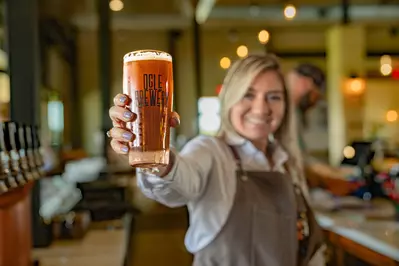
[204, 178]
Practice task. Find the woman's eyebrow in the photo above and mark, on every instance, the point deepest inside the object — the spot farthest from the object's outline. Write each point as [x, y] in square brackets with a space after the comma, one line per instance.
[276, 91]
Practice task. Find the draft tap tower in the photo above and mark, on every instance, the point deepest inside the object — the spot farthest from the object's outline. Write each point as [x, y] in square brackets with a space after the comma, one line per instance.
[20, 161]
[20, 166]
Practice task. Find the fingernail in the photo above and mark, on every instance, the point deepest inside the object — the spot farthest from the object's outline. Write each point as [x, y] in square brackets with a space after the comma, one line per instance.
[127, 136]
[127, 114]
[122, 99]
[124, 149]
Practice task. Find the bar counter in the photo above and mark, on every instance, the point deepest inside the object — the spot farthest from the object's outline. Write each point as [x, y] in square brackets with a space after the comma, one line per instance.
[373, 241]
[103, 245]
[98, 247]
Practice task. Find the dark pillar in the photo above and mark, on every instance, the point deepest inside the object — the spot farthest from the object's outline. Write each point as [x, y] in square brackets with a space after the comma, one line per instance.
[22, 45]
[197, 66]
[104, 55]
[345, 12]
[104, 74]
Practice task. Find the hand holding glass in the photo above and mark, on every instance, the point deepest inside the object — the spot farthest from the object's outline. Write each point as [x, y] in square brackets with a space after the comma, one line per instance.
[142, 115]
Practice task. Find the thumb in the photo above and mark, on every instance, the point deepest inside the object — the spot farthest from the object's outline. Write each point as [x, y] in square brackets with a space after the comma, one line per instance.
[174, 119]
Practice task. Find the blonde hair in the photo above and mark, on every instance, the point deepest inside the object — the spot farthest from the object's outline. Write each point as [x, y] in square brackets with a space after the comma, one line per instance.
[236, 83]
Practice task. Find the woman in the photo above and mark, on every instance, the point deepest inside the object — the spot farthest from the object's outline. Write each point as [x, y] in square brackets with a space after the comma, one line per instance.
[242, 188]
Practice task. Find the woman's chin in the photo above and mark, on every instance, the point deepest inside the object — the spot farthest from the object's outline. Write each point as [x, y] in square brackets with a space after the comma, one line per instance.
[257, 135]
[258, 129]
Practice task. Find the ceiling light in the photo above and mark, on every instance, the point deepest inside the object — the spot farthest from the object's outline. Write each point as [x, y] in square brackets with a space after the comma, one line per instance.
[225, 62]
[386, 69]
[242, 51]
[263, 36]
[289, 12]
[116, 5]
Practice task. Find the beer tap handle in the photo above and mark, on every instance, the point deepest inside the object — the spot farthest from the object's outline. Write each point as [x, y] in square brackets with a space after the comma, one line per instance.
[34, 140]
[3, 181]
[11, 128]
[7, 172]
[7, 139]
[15, 136]
[36, 155]
[21, 151]
[28, 137]
[37, 137]
[22, 137]
[13, 151]
[36, 145]
[3, 147]
[26, 131]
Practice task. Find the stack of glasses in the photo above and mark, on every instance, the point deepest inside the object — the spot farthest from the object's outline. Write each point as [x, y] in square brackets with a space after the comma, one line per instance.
[20, 157]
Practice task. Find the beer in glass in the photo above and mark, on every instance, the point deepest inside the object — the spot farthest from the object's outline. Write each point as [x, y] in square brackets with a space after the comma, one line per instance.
[148, 81]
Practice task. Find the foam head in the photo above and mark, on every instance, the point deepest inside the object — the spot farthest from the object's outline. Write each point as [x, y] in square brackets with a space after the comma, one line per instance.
[142, 55]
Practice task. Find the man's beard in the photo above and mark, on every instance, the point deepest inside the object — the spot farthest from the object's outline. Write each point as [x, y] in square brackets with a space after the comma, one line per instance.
[305, 103]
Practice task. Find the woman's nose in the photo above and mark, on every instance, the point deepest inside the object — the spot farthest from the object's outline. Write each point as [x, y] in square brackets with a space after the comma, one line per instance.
[260, 106]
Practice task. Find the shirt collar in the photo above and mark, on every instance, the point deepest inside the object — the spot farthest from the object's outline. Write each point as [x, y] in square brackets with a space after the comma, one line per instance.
[280, 156]
[234, 139]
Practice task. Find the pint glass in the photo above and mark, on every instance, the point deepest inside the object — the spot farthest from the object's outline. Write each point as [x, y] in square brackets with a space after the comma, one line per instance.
[148, 80]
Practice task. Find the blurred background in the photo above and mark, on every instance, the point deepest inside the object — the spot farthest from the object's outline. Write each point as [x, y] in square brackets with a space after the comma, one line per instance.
[61, 65]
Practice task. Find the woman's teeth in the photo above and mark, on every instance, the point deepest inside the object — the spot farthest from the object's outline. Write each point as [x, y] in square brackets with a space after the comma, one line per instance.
[256, 121]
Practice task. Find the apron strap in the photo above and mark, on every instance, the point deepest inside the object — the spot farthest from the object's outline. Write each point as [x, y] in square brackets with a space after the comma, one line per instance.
[235, 155]
[236, 158]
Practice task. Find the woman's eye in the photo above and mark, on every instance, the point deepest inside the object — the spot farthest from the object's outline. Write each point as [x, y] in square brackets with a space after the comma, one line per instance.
[274, 97]
[249, 96]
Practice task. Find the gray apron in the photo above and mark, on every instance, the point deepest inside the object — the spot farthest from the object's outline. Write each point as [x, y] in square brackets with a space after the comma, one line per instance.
[261, 229]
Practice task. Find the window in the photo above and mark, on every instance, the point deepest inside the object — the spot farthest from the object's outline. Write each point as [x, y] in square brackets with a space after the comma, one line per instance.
[209, 117]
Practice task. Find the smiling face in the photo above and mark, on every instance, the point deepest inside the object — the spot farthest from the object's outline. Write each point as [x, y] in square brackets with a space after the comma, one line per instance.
[262, 109]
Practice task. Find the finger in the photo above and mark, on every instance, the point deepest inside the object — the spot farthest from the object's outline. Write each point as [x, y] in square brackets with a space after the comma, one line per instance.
[119, 124]
[121, 114]
[121, 134]
[119, 147]
[174, 119]
[121, 100]
[299, 225]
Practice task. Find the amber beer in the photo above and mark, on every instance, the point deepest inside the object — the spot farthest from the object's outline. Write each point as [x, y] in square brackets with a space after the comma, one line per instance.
[148, 80]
